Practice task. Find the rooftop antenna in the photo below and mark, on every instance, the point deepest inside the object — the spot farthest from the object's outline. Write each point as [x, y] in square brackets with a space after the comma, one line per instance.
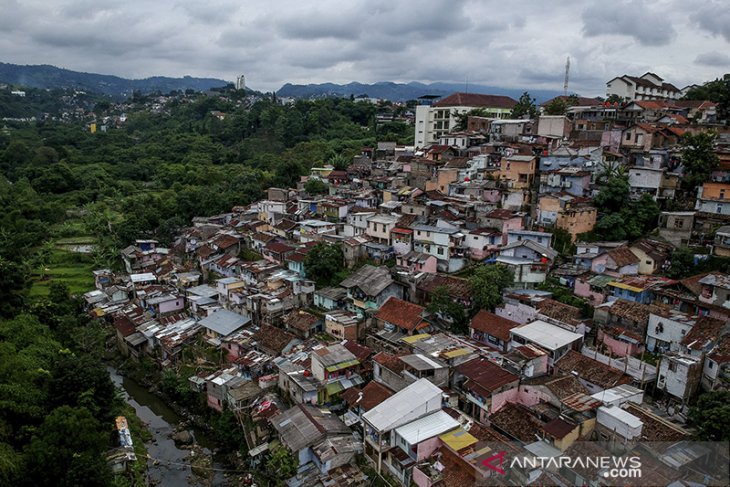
[567, 70]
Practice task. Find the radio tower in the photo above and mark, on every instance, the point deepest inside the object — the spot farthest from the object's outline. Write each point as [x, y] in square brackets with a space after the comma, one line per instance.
[567, 69]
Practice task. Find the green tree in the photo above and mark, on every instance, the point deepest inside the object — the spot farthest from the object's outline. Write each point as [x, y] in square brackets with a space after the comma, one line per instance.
[487, 284]
[339, 161]
[717, 91]
[315, 186]
[698, 159]
[67, 450]
[525, 107]
[12, 284]
[563, 242]
[711, 416]
[281, 464]
[445, 307]
[611, 227]
[613, 195]
[462, 119]
[323, 262]
[81, 381]
[557, 106]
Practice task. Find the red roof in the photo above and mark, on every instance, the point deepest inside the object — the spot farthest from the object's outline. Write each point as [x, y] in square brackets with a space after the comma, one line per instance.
[476, 100]
[373, 394]
[361, 352]
[496, 326]
[501, 214]
[401, 314]
[278, 247]
[484, 376]
[124, 325]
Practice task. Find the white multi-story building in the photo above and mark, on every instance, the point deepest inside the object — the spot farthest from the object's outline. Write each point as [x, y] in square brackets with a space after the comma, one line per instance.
[649, 86]
[433, 121]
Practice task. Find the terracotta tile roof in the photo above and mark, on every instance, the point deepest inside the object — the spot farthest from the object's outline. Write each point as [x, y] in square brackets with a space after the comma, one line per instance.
[518, 422]
[278, 247]
[402, 314]
[458, 287]
[558, 428]
[622, 256]
[558, 311]
[485, 377]
[373, 394]
[273, 338]
[591, 370]
[390, 362]
[124, 325]
[721, 352]
[263, 237]
[204, 251]
[300, 320]
[705, 331]
[225, 241]
[656, 428]
[496, 326]
[295, 257]
[636, 312]
[476, 100]
[566, 386]
[361, 352]
[501, 214]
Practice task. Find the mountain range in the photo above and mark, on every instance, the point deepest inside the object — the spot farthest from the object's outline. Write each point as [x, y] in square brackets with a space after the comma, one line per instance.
[50, 77]
[403, 91]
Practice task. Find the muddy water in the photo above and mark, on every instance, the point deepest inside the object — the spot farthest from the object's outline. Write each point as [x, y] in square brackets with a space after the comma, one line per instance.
[173, 466]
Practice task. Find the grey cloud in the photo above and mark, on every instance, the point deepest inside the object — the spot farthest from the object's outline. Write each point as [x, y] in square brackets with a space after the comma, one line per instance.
[713, 58]
[714, 17]
[630, 18]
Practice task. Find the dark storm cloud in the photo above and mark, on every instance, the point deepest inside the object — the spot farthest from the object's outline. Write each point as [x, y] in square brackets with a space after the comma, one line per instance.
[520, 43]
[714, 17]
[649, 26]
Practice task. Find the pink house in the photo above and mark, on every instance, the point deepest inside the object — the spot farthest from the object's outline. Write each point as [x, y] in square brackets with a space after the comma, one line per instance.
[504, 221]
[417, 262]
[620, 341]
[592, 287]
[483, 242]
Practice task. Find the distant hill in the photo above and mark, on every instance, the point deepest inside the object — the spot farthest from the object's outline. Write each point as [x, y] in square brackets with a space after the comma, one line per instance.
[50, 77]
[403, 91]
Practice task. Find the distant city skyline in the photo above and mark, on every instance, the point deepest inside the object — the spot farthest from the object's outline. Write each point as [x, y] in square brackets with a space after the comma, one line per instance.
[518, 45]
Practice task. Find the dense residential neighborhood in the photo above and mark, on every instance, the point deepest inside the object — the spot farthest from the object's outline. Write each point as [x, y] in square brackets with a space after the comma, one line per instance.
[509, 278]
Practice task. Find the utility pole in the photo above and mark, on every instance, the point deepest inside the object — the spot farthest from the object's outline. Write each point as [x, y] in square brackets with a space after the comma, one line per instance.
[567, 70]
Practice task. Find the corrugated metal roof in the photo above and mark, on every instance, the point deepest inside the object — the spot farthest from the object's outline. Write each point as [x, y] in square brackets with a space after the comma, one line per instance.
[414, 401]
[427, 427]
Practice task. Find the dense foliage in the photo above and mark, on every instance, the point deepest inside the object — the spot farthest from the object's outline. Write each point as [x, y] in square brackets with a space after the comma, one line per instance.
[711, 415]
[487, 283]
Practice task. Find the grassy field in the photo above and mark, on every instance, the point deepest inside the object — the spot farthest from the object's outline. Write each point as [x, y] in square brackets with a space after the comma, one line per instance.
[73, 269]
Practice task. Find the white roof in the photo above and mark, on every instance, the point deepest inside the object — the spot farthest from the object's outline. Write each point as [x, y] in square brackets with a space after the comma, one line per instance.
[427, 427]
[623, 416]
[405, 405]
[147, 276]
[546, 335]
[617, 393]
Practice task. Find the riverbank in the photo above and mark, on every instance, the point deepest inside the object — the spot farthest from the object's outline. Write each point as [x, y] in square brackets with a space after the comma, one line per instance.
[169, 463]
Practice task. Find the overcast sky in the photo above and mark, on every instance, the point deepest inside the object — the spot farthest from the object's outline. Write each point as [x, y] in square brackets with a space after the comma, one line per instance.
[519, 44]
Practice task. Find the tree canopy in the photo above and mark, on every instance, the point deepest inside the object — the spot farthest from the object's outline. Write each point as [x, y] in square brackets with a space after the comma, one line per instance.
[487, 283]
[323, 262]
[525, 107]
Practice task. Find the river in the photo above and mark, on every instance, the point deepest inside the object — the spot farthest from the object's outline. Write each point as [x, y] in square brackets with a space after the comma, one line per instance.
[173, 469]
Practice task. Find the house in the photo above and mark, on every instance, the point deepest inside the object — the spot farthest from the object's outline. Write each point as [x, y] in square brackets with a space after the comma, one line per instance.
[274, 341]
[362, 401]
[302, 324]
[222, 323]
[342, 325]
[638, 288]
[721, 244]
[594, 375]
[502, 220]
[336, 368]
[411, 403]
[716, 369]
[666, 329]
[491, 329]
[277, 252]
[436, 120]
[369, 287]
[484, 387]
[553, 339]
[566, 212]
[648, 86]
[380, 226]
[402, 316]
[417, 262]
[676, 226]
[715, 289]
[529, 261]
[679, 376]
[415, 442]
[357, 221]
[316, 435]
[518, 171]
[482, 242]
[653, 255]
[444, 243]
[713, 198]
[330, 298]
[570, 180]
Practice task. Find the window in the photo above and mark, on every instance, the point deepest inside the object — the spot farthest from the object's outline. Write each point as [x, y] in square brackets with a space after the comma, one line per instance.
[628, 136]
[678, 223]
[440, 251]
[710, 364]
[672, 367]
[647, 262]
